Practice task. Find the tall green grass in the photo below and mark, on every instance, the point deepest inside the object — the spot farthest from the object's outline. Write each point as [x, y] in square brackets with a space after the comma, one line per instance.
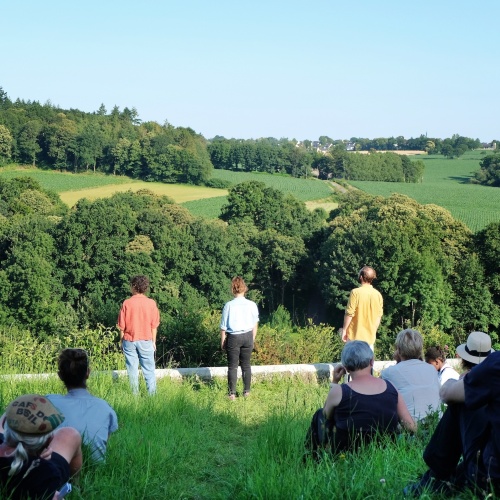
[190, 442]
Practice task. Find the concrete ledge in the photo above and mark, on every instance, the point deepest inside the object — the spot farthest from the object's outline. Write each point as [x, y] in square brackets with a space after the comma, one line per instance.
[320, 370]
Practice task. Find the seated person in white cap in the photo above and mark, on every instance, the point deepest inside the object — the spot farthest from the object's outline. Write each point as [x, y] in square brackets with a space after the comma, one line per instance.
[469, 428]
[36, 457]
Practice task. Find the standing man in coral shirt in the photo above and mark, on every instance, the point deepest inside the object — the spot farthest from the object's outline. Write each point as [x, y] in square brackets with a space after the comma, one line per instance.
[364, 310]
[138, 323]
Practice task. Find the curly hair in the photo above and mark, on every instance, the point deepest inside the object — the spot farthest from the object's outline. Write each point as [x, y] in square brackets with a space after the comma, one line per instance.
[73, 365]
[140, 283]
[238, 285]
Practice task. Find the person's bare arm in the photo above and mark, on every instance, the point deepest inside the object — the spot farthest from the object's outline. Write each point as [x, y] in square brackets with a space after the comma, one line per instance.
[335, 395]
[453, 391]
[254, 331]
[404, 415]
[222, 338]
[347, 322]
[68, 443]
[154, 331]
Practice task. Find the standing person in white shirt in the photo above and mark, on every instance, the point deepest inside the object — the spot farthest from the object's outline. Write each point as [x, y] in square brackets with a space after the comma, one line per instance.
[436, 357]
[238, 328]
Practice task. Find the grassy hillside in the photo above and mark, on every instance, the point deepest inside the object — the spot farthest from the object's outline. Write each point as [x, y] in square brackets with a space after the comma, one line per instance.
[190, 442]
[302, 189]
[446, 184]
[201, 201]
[72, 187]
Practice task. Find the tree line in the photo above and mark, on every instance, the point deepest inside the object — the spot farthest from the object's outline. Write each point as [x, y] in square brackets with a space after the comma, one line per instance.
[62, 269]
[119, 143]
[115, 143]
[388, 167]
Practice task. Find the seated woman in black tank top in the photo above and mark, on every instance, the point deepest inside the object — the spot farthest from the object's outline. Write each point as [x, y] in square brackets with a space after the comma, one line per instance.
[363, 407]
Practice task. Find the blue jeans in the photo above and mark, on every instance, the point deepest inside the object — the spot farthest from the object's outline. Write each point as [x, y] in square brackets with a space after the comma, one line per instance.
[140, 352]
[239, 349]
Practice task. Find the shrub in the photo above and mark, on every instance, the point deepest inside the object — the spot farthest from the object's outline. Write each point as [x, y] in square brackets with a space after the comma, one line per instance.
[190, 339]
[309, 344]
[23, 352]
[218, 183]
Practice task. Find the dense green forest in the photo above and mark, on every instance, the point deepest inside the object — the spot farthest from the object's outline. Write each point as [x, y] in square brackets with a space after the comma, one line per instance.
[62, 270]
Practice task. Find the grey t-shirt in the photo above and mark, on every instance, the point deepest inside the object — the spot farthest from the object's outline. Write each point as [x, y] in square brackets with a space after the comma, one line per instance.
[92, 417]
[418, 383]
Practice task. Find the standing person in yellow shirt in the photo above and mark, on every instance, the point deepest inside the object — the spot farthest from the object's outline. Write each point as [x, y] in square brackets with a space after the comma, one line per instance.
[364, 310]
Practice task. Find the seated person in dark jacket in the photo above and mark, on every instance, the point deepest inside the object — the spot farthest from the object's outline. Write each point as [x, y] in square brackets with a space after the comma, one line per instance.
[366, 405]
[464, 450]
[36, 459]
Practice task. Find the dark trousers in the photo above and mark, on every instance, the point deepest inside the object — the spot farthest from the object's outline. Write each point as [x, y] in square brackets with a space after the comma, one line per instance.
[239, 349]
[460, 432]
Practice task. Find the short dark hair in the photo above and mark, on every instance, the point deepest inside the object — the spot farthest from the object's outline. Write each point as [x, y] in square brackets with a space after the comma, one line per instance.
[73, 365]
[434, 353]
[139, 283]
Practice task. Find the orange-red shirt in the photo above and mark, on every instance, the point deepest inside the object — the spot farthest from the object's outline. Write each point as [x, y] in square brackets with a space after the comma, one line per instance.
[138, 317]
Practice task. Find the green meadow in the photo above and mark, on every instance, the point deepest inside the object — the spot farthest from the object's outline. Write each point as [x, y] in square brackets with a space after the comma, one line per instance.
[302, 189]
[446, 183]
[190, 442]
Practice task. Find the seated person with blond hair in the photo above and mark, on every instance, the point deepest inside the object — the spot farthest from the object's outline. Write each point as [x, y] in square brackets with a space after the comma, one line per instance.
[416, 380]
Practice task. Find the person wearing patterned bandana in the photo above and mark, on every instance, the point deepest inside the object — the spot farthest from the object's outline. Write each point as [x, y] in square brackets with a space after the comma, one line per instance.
[37, 457]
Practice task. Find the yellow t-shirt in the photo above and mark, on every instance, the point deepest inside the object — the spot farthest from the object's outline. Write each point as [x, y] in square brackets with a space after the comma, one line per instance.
[366, 307]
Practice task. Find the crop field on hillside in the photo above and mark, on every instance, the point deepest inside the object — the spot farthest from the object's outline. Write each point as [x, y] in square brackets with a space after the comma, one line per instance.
[64, 181]
[72, 187]
[302, 189]
[446, 184]
[209, 208]
[200, 201]
[180, 193]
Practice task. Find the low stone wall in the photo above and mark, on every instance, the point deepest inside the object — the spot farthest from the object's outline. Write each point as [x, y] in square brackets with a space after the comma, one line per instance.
[319, 370]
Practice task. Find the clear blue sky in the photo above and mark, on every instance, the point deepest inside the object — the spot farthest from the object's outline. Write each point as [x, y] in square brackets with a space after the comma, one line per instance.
[274, 68]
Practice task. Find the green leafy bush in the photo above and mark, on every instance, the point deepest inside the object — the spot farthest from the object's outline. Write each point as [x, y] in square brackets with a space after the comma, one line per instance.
[24, 352]
[218, 183]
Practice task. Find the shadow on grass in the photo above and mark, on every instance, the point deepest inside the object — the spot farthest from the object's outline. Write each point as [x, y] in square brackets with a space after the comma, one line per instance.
[461, 179]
